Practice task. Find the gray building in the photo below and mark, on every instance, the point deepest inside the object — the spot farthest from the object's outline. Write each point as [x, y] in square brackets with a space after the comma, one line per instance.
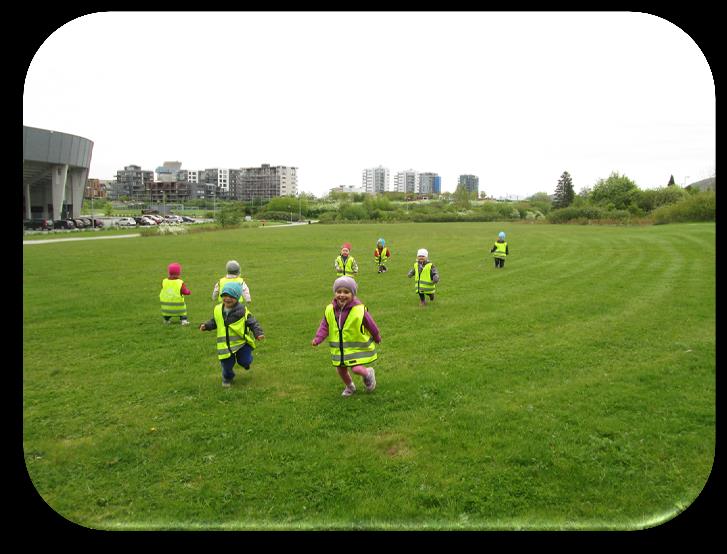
[470, 182]
[55, 171]
[266, 182]
[134, 182]
[427, 183]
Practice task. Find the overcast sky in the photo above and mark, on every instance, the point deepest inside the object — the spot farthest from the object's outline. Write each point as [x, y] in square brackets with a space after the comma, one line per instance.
[514, 98]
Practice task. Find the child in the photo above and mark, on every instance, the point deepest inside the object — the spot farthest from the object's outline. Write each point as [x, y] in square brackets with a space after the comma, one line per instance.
[426, 276]
[345, 264]
[381, 255]
[237, 331]
[233, 274]
[351, 333]
[172, 295]
[500, 250]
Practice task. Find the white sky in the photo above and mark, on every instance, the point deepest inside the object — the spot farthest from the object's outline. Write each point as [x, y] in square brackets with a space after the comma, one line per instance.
[514, 98]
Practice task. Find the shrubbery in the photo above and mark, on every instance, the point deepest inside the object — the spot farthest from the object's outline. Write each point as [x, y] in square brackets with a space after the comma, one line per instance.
[697, 207]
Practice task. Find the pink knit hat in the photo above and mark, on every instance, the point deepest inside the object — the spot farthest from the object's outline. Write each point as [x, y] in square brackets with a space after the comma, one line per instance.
[174, 269]
[346, 245]
[345, 282]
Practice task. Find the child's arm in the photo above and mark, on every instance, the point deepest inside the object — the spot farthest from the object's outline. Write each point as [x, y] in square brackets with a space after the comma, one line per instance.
[253, 324]
[208, 325]
[354, 265]
[216, 291]
[185, 291]
[321, 333]
[411, 273]
[246, 292]
[370, 324]
[435, 274]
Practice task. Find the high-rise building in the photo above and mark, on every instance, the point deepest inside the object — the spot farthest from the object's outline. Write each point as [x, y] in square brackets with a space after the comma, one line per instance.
[470, 182]
[134, 182]
[218, 177]
[375, 180]
[437, 185]
[169, 172]
[407, 181]
[266, 182]
[426, 183]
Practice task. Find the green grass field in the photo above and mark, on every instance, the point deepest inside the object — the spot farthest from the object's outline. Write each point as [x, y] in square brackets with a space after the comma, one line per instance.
[573, 389]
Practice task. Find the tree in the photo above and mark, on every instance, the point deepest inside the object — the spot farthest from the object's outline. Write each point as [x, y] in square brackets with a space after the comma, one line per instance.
[564, 194]
[671, 182]
[462, 197]
[618, 191]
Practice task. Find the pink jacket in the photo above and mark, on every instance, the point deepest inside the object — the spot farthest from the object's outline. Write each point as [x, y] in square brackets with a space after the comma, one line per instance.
[368, 321]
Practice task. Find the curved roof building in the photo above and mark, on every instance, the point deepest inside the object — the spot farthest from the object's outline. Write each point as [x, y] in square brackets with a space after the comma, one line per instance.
[55, 171]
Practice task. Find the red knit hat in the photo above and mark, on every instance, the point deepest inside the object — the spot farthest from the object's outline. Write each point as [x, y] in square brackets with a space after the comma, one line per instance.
[174, 269]
[346, 245]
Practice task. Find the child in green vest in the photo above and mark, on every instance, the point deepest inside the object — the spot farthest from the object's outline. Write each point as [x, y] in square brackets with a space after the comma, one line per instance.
[351, 334]
[345, 264]
[425, 276]
[500, 250]
[172, 295]
[233, 274]
[237, 331]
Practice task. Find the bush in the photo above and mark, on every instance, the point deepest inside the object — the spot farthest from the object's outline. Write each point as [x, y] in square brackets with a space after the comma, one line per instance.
[697, 207]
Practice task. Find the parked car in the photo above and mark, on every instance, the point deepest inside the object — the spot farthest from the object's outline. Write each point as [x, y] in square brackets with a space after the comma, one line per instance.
[126, 222]
[80, 224]
[187, 219]
[40, 224]
[155, 218]
[64, 224]
[173, 219]
[97, 222]
[86, 221]
[143, 220]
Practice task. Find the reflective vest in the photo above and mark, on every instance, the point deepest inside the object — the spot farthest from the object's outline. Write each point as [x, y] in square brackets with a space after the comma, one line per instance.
[226, 280]
[232, 337]
[353, 344]
[382, 255]
[347, 267]
[423, 282]
[501, 250]
[171, 298]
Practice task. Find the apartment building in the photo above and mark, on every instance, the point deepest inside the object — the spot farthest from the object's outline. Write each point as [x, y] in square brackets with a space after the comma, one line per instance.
[375, 180]
[470, 182]
[266, 182]
[133, 182]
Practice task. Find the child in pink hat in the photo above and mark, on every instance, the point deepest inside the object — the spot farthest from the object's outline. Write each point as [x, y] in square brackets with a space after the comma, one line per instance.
[351, 334]
[172, 295]
[345, 264]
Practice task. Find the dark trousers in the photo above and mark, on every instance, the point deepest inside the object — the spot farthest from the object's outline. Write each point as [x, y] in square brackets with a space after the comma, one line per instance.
[168, 317]
[243, 357]
[421, 297]
[499, 262]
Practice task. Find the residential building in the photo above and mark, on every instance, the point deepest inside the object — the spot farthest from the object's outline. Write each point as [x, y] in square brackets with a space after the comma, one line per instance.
[95, 188]
[406, 181]
[437, 185]
[169, 171]
[218, 177]
[266, 182]
[470, 182]
[426, 183]
[375, 180]
[134, 182]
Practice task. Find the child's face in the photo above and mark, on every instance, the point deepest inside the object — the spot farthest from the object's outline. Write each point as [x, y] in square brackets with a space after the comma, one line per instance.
[422, 259]
[343, 296]
[344, 251]
[228, 301]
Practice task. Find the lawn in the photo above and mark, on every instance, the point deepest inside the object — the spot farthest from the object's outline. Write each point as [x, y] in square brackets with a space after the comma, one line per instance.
[573, 389]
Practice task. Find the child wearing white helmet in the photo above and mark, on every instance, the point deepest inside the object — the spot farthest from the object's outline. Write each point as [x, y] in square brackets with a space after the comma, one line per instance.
[233, 275]
[382, 253]
[500, 250]
[425, 276]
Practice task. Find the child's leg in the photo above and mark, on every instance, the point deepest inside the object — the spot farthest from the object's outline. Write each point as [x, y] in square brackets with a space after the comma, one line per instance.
[360, 370]
[167, 318]
[244, 356]
[421, 297]
[431, 297]
[227, 373]
[343, 374]
[183, 320]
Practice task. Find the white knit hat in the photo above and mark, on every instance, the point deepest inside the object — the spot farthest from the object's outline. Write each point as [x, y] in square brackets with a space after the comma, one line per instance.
[233, 267]
[423, 252]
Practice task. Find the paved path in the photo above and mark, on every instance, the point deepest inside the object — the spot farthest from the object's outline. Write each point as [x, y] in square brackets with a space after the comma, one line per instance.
[46, 241]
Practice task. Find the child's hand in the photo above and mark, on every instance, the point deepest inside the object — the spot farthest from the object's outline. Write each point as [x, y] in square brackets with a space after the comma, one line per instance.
[313, 342]
[261, 337]
[202, 327]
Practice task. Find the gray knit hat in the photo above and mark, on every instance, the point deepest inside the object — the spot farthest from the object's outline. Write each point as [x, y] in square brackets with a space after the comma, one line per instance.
[233, 267]
[346, 282]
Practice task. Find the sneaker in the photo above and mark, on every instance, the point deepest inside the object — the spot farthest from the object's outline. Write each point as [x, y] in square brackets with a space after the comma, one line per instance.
[370, 380]
[185, 322]
[349, 390]
[167, 322]
[226, 383]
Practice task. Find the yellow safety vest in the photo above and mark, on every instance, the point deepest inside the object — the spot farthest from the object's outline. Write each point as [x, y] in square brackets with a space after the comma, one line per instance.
[171, 298]
[423, 283]
[226, 280]
[232, 337]
[347, 267]
[353, 344]
[383, 255]
[501, 250]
